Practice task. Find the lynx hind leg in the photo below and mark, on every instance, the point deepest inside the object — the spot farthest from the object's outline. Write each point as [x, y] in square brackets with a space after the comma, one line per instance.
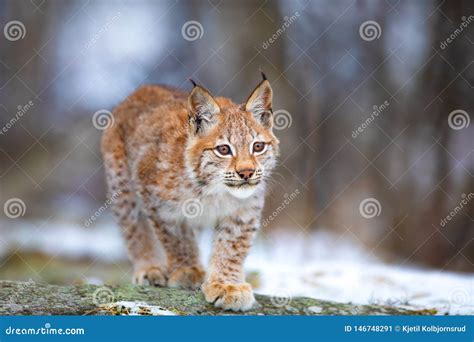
[182, 254]
[139, 238]
[144, 250]
[186, 269]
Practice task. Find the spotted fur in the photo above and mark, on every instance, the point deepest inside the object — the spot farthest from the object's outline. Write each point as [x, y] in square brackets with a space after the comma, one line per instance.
[161, 156]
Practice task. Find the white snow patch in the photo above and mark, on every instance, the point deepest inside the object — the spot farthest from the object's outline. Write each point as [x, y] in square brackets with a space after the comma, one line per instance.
[139, 308]
[325, 266]
[315, 309]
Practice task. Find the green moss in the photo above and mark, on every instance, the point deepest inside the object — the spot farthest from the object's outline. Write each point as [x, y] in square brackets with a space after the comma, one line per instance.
[38, 299]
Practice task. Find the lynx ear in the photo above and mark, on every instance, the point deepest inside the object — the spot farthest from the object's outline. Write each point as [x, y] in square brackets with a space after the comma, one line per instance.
[260, 103]
[202, 109]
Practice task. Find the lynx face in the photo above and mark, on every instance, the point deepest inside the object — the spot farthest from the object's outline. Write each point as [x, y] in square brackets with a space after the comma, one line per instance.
[231, 148]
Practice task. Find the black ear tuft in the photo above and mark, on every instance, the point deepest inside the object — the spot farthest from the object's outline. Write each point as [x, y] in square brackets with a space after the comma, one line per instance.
[192, 81]
[263, 75]
[259, 103]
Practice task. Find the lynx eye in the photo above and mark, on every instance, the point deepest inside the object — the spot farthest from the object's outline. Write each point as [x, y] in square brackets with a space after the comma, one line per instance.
[224, 150]
[258, 147]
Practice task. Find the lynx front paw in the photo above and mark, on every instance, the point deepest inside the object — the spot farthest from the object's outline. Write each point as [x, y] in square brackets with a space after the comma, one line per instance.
[190, 277]
[152, 275]
[236, 297]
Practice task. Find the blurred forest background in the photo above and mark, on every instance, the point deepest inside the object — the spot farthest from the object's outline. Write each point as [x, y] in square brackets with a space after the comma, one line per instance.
[379, 95]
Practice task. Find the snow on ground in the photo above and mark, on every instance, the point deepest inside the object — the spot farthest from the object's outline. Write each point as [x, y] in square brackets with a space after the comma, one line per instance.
[327, 267]
[63, 239]
[137, 308]
[323, 266]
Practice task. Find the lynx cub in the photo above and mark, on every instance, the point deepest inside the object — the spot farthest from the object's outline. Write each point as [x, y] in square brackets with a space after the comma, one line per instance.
[176, 163]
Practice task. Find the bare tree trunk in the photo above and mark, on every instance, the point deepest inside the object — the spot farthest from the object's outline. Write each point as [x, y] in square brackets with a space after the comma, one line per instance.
[444, 92]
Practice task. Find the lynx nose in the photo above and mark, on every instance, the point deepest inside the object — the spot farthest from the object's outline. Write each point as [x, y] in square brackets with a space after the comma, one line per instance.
[246, 173]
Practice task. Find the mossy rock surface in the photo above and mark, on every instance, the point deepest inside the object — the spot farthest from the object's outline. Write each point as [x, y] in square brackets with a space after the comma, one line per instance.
[29, 298]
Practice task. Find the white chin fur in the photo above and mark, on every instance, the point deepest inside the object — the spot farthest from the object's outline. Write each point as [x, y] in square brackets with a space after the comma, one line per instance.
[242, 192]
